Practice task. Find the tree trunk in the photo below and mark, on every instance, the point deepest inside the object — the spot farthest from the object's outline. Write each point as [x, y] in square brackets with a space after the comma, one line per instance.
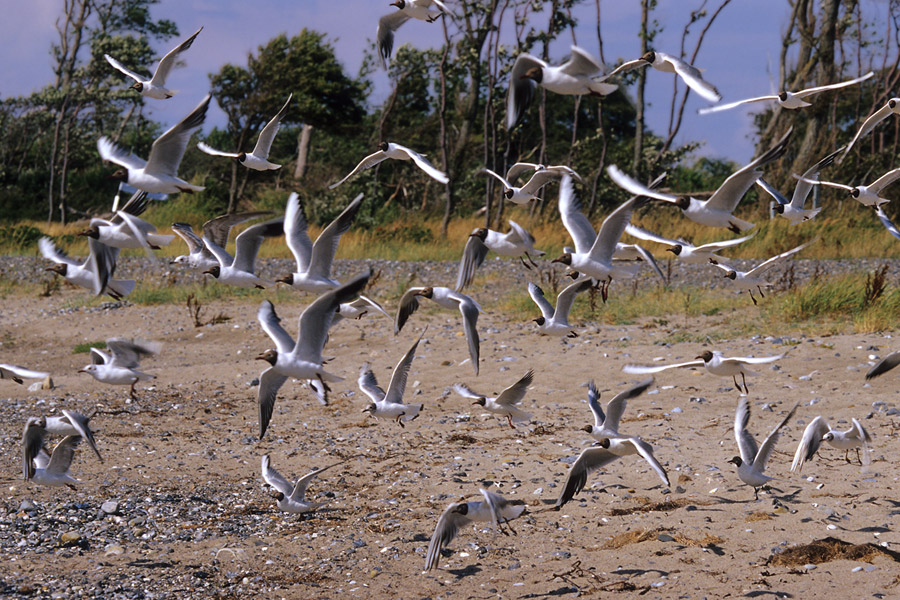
[639, 99]
[302, 151]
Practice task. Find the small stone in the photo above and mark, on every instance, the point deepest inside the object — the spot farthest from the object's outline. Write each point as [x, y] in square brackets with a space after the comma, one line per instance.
[110, 507]
[47, 383]
[665, 537]
[69, 538]
[114, 550]
[809, 567]
[27, 505]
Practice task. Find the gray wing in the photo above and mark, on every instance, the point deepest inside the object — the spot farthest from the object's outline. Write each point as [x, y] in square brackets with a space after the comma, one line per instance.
[635, 187]
[193, 241]
[625, 67]
[384, 36]
[472, 257]
[296, 233]
[206, 148]
[316, 318]
[409, 303]
[539, 180]
[299, 490]
[514, 393]
[643, 234]
[368, 383]
[537, 295]
[730, 105]
[517, 231]
[112, 152]
[648, 258]
[590, 460]
[466, 392]
[168, 61]
[770, 262]
[267, 135]
[500, 178]
[247, 244]
[326, 245]
[521, 89]
[62, 456]
[397, 386]
[219, 252]
[17, 374]
[886, 364]
[135, 206]
[219, 229]
[447, 526]
[470, 311]
[646, 451]
[99, 357]
[802, 189]
[612, 229]
[594, 405]
[128, 354]
[832, 86]
[616, 407]
[644, 370]
[581, 63]
[366, 302]
[520, 167]
[80, 423]
[884, 181]
[424, 164]
[32, 442]
[168, 149]
[269, 384]
[271, 324]
[122, 68]
[274, 478]
[746, 444]
[366, 163]
[716, 246]
[566, 298]
[693, 78]
[51, 252]
[778, 196]
[869, 124]
[886, 221]
[733, 189]
[768, 445]
[809, 443]
[574, 220]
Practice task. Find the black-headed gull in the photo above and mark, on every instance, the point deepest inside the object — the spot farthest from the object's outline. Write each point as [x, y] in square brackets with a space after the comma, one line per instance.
[666, 63]
[493, 509]
[684, 250]
[314, 261]
[752, 461]
[718, 209]
[291, 496]
[575, 77]
[555, 321]
[159, 173]
[389, 404]
[18, 374]
[258, 160]
[358, 309]
[301, 359]
[406, 10]
[528, 192]
[44, 469]
[794, 210]
[506, 404]
[218, 230]
[747, 281]
[819, 431]
[70, 423]
[891, 107]
[606, 424]
[447, 298]
[886, 221]
[120, 365]
[95, 273]
[515, 243]
[867, 195]
[884, 365]
[394, 151]
[155, 87]
[715, 363]
[789, 100]
[240, 270]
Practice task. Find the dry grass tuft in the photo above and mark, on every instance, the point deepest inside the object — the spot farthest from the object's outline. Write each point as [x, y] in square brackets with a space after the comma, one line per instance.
[706, 540]
[632, 537]
[462, 438]
[759, 516]
[828, 549]
[649, 506]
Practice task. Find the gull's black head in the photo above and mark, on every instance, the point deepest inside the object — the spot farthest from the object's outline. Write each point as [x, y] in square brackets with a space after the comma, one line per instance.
[783, 96]
[828, 437]
[120, 175]
[892, 103]
[270, 356]
[736, 461]
[604, 443]
[565, 259]
[649, 57]
[587, 428]
[779, 208]
[214, 271]
[288, 279]
[706, 356]
[61, 269]
[540, 321]
[855, 193]
[426, 292]
[480, 233]
[242, 157]
[278, 496]
[480, 402]
[400, 4]
[732, 275]
[534, 73]
[369, 409]
[383, 146]
[683, 202]
[509, 194]
[137, 85]
[462, 508]
[676, 249]
[93, 232]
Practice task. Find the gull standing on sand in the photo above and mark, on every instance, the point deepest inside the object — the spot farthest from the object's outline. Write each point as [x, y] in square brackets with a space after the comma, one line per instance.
[388, 150]
[240, 270]
[119, 366]
[291, 497]
[752, 461]
[301, 359]
[575, 77]
[718, 209]
[528, 192]
[314, 261]
[868, 195]
[44, 469]
[612, 444]
[159, 173]
[515, 243]
[715, 364]
[95, 273]
[155, 87]
[684, 250]
[789, 100]
[795, 211]
[506, 404]
[406, 10]
[218, 230]
[555, 321]
[819, 431]
[666, 63]
[389, 404]
[493, 509]
[258, 160]
[447, 298]
[746, 281]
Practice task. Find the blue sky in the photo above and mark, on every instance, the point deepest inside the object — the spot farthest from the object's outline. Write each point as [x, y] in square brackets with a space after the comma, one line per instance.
[739, 55]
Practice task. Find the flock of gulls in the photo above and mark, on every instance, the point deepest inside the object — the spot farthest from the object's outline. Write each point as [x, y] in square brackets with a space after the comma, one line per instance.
[597, 259]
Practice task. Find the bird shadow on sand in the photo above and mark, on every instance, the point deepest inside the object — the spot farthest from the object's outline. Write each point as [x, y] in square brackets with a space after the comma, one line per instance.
[466, 572]
[760, 593]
